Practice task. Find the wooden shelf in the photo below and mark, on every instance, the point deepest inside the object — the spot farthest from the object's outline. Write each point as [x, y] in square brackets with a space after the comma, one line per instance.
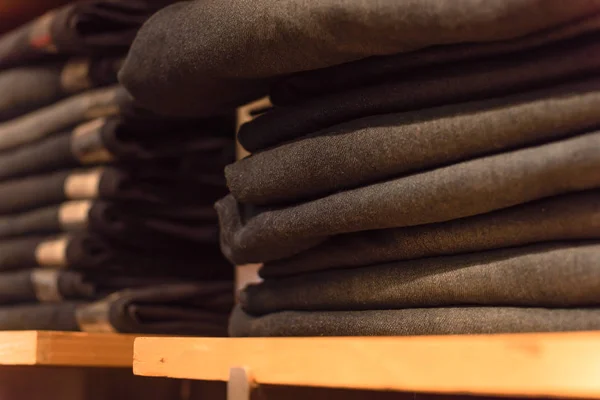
[66, 349]
[555, 364]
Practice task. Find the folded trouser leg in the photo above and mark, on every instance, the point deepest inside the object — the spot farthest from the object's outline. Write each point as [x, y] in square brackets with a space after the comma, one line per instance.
[44, 286]
[449, 84]
[32, 87]
[568, 217]
[313, 83]
[167, 309]
[549, 275]
[63, 115]
[416, 321]
[200, 78]
[372, 149]
[460, 190]
[89, 28]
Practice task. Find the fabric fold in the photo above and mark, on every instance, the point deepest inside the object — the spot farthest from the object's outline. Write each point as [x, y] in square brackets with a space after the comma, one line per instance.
[415, 321]
[310, 84]
[569, 217]
[381, 147]
[176, 309]
[200, 77]
[551, 275]
[44, 286]
[86, 251]
[111, 140]
[144, 184]
[62, 115]
[443, 85]
[461, 190]
[96, 27]
[134, 224]
[28, 88]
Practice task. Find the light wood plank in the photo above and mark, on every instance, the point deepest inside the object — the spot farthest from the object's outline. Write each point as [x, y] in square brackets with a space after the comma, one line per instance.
[18, 348]
[66, 349]
[555, 364]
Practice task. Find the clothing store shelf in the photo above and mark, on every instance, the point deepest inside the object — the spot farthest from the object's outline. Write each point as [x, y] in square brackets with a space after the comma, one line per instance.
[552, 364]
[75, 349]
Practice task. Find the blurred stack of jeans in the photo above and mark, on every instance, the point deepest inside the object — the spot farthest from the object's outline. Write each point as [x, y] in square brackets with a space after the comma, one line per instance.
[106, 217]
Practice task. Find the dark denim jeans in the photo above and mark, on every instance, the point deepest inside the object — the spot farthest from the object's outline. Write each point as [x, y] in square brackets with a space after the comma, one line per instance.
[188, 309]
[28, 88]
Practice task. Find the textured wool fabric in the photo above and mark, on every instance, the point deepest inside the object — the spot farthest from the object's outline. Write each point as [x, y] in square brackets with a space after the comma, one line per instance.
[568, 217]
[314, 83]
[456, 191]
[111, 140]
[136, 224]
[415, 321]
[439, 85]
[91, 28]
[384, 146]
[549, 275]
[142, 183]
[85, 251]
[167, 309]
[276, 37]
[31, 87]
[63, 115]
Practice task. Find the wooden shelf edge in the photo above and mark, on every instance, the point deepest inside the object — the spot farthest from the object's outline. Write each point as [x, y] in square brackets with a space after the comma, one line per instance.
[553, 364]
[66, 349]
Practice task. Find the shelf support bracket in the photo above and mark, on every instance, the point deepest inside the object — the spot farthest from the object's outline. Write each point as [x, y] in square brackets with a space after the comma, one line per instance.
[241, 384]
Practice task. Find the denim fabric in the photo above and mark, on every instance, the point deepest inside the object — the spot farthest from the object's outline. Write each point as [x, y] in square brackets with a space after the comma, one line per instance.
[276, 38]
[314, 83]
[456, 191]
[439, 85]
[63, 115]
[164, 309]
[371, 149]
[28, 88]
[415, 321]
[569, 217]
[549, 275]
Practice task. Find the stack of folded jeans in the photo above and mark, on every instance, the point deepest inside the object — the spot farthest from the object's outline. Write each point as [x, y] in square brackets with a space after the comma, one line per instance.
[453, 189]
[106, 210]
